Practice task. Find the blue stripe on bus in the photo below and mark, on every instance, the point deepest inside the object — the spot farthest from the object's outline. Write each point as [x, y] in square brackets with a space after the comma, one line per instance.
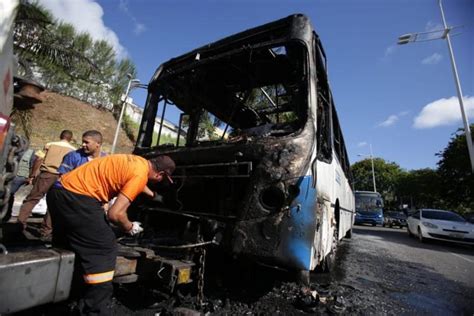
[300, 239]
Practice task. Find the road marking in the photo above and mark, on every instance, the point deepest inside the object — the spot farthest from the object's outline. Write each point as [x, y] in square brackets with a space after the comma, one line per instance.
[454, 254]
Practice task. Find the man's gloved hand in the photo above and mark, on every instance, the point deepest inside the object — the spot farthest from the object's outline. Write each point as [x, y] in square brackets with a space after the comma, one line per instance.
[158, 198]
[136, 229]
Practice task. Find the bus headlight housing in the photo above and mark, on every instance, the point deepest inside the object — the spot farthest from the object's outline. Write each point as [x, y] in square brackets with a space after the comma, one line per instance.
[272, 198]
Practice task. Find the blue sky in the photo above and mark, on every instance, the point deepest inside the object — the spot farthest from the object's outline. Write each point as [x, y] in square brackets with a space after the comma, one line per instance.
[400, 99]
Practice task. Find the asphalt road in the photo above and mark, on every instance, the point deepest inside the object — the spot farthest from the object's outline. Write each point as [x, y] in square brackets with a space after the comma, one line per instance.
[451, 261]
[405, 275]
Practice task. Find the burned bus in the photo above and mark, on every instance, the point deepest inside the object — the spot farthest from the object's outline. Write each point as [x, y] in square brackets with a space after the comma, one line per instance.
[262, 169]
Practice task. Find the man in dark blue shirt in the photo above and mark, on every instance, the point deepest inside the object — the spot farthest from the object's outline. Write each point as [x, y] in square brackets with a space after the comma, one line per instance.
[90, 149]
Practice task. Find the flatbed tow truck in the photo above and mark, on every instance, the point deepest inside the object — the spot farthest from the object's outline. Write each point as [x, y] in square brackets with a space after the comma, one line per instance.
[32, 272]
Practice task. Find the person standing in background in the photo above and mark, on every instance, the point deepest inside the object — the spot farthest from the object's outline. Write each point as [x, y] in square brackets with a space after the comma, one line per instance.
[23, 175]
[47, 162]
[90, 149]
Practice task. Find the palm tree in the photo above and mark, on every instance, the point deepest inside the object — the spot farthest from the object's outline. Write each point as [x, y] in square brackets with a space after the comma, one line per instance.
[35, 39]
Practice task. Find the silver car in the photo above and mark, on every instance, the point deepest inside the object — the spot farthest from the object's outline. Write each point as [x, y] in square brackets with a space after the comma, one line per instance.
[440, 225]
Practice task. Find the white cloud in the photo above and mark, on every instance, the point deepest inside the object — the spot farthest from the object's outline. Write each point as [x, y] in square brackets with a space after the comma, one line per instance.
[390, 50]
[392, 119]
[85, 16]
[139, 27]
[443, 112]
[431, 26]
[432, 60]
[362, 144]
[389, 121]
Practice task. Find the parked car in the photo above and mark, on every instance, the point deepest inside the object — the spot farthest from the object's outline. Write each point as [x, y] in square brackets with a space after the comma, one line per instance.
[469, 217]
[394, 218]
[440, 225]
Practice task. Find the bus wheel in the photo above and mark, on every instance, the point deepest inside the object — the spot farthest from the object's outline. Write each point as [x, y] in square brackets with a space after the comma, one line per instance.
[349, 234]
[302, 277]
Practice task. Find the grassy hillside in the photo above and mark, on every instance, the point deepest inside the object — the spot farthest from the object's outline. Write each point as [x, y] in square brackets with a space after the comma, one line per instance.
[58, 112]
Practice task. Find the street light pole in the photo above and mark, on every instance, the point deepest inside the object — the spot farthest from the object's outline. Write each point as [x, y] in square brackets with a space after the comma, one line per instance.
[414, 37]
[373, 169]
[467, 129]
[122, 111]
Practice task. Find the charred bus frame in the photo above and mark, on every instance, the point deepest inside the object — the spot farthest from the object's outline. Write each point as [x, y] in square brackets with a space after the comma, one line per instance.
[274, 184]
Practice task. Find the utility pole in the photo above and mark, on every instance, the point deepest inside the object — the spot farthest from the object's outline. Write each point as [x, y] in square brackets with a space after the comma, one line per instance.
[373, 169]
[418, 37]
[131, 83]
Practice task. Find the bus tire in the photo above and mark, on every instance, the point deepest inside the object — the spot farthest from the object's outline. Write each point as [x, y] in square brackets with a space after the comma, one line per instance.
[329, 261]
[303, 277]
[349, 234]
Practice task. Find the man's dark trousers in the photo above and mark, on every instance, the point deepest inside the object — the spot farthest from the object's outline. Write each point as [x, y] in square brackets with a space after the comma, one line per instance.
[80, 224]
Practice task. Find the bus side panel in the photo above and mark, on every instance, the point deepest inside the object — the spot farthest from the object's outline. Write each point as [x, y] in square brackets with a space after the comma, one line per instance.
[323, 237]
[343, 194]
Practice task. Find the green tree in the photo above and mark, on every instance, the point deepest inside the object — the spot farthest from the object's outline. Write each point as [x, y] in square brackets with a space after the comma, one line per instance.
[457, 179]
[37, 39]
[387, 175]
[119, 81]
[103, 56]
[419, 189]
[31, 23]
[67, 61]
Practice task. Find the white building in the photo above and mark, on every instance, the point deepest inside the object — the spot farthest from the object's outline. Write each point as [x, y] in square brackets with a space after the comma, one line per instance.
[135, 113]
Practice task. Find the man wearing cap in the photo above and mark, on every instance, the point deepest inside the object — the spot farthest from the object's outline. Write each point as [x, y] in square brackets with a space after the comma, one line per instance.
[80, 224]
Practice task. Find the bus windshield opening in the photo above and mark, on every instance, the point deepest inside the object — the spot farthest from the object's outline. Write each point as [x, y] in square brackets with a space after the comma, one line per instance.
[250, 92]
[368, 203]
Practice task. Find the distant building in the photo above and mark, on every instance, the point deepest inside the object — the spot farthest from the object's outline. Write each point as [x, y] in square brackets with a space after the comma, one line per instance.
[135, 113]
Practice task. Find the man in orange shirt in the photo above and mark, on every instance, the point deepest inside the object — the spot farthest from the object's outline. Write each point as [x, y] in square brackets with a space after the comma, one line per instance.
[80, 224]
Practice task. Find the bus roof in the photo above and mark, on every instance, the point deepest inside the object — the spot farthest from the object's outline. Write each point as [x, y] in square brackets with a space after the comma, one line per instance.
[300, 28]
